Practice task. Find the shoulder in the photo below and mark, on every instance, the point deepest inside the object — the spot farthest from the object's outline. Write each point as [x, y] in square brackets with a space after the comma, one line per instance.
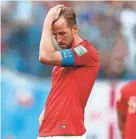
[88, 44]
[90, 47]
[86, 47]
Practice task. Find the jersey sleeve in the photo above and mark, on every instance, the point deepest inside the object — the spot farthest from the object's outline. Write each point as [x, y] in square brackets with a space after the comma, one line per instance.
[79, 56]
[121, 101]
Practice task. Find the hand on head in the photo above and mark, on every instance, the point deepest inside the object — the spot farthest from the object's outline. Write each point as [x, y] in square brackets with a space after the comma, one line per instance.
[54, 13]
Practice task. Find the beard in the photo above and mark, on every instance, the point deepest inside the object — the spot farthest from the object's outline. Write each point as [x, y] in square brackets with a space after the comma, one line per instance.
[66, 46]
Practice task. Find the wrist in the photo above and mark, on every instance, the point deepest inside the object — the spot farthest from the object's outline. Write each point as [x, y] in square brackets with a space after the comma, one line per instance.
[48, 24]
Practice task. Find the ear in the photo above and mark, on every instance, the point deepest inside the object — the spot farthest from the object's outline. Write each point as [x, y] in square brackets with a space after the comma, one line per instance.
[74, 29]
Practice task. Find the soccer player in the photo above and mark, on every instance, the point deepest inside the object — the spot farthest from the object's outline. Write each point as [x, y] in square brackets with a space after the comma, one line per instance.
[74, 74]
[126, 107]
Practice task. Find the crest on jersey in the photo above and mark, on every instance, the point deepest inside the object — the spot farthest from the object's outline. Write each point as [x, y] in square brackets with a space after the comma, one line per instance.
[80, 50]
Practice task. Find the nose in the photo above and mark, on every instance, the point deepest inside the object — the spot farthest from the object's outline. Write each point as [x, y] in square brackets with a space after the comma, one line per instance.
[59, 39]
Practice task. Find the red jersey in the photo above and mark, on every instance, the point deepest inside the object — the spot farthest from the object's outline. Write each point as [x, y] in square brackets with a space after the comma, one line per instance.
[127, 104]
[71, 86]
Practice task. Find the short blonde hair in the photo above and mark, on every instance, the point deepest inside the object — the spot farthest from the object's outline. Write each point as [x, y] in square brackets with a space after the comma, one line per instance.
[69, 15]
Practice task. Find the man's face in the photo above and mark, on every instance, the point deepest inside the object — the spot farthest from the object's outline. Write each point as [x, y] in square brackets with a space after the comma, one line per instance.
[63, 33]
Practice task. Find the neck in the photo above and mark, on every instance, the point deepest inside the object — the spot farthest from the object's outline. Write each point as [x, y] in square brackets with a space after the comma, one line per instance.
[77, 39]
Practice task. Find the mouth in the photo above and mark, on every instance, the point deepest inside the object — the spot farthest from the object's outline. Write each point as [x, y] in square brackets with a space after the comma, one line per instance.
[62, 45]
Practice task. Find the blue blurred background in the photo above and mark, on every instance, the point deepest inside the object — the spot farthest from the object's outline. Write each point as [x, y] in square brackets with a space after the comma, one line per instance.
[25, 83]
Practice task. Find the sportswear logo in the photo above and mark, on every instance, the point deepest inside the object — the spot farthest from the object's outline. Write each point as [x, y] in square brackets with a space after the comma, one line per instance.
[62, 126]
[80, 50]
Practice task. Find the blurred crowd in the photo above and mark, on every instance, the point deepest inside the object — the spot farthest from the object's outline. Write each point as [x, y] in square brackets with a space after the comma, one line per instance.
[110, 26]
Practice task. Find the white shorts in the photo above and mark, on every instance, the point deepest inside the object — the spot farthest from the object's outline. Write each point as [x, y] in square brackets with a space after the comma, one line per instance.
[64, 137]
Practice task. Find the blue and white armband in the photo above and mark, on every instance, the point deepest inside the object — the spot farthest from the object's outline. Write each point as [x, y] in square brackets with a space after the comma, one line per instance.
[67, 57]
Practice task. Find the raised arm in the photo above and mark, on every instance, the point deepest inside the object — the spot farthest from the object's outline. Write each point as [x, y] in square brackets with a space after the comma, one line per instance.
[47, 53]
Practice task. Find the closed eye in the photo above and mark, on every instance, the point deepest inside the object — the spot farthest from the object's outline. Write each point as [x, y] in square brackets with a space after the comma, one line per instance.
[62, 33]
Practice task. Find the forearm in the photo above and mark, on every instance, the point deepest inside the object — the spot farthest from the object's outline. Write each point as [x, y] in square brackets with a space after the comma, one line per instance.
[46, 44]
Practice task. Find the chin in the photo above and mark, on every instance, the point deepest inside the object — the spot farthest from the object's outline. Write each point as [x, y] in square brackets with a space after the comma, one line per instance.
[63, 47]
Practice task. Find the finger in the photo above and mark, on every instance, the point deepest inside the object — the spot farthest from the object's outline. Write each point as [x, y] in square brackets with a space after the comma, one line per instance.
[58, 10]
[58, 13]
[57, 7]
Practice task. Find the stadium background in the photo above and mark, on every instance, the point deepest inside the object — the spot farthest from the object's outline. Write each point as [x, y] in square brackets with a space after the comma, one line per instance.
[25, 83]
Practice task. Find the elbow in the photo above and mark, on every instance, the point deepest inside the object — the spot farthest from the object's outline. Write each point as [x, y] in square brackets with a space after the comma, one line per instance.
[42, 59]
[45, 59]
